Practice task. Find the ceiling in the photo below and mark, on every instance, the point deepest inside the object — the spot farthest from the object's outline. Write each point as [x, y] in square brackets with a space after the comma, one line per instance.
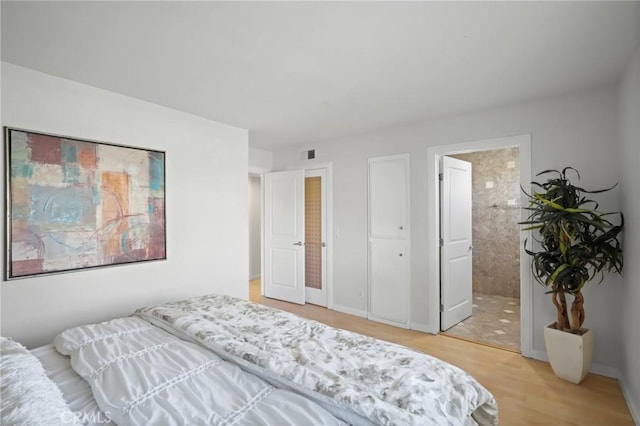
[303, 72]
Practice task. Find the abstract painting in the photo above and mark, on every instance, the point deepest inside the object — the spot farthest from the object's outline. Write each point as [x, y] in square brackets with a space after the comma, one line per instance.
[75, 204]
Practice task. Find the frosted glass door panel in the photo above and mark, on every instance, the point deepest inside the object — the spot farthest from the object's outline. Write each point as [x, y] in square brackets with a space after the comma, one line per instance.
[313, 231]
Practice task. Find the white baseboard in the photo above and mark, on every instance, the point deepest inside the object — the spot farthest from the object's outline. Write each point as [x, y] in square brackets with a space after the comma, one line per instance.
[421, 327]
[601, 369]
[632, 403]
[350, 311]
[605, 370]
[384, 321]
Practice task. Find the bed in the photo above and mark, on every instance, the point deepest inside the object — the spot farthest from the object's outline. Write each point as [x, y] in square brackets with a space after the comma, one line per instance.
[220, 360]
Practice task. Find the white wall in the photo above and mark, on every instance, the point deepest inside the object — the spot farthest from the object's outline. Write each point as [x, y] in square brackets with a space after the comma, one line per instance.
[206, 196]
[254, 227]
[260, 160]
[630, 205]
[578, 130]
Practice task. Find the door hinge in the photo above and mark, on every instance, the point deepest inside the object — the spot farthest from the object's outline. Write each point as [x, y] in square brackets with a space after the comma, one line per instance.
[440, 176]
[441, 242]
[441, 307]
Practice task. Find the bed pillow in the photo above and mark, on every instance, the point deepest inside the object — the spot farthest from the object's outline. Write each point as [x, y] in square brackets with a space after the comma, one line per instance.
[27, 395]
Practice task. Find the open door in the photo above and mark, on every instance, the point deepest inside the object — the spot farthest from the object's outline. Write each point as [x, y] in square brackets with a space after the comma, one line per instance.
[284, 276]
[456, 251]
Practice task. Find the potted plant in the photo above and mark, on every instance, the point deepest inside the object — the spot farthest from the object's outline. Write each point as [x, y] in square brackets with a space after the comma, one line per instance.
[577, 243]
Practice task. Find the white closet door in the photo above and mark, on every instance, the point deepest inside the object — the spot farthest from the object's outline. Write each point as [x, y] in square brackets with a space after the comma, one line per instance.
[389, 243]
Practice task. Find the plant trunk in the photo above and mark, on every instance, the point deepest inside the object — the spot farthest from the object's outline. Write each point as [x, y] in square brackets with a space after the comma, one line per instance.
[560, 302]
[577, 312]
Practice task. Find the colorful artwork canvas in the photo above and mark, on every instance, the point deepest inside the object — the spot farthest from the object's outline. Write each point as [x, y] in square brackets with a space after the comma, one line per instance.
[75, 204]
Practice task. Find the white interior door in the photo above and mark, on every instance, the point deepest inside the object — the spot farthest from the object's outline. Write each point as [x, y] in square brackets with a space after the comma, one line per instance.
[284, 236]
[316, 237]
[456, 291]
[389, 242]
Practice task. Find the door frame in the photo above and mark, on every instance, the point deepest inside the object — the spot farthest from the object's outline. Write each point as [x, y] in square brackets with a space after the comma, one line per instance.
[523, 143]
[328, 166]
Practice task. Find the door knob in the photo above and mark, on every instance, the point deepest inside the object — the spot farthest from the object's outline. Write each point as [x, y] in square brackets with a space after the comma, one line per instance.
[299, 243]
[401, 255]
[470, 248]
[324, 244]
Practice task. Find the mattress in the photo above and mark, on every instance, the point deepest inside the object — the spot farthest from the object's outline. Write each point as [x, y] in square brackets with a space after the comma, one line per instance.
[75, 390]
[358, 379]
[140, 374]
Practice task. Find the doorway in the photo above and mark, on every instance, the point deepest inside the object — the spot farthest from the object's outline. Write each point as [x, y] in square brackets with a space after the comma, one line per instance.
[523, 145]
[255, 230]
[255, 213]
[495, 213]
[297, 243]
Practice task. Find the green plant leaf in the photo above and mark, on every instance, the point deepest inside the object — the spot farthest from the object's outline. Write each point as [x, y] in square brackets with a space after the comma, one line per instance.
[577, 243]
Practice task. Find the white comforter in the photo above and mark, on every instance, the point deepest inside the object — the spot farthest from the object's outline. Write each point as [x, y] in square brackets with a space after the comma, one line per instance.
[358, 378]
[141, 375]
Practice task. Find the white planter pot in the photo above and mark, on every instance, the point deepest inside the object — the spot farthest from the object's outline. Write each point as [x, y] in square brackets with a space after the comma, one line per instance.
[569, 354]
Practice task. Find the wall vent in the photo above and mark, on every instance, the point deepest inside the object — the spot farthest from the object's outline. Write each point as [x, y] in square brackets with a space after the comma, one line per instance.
[308, 155]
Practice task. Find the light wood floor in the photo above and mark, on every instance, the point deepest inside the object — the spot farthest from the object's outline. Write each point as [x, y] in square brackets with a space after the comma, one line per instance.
[527, 391]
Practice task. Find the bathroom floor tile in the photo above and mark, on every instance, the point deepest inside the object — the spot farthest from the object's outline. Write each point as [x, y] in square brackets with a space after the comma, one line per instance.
[495, 321]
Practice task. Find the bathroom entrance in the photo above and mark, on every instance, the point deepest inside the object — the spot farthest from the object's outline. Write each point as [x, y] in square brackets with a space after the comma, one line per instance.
[495, 211]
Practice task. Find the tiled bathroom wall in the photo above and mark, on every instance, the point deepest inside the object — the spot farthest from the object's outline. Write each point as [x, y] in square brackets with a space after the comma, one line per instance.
[496, 212]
